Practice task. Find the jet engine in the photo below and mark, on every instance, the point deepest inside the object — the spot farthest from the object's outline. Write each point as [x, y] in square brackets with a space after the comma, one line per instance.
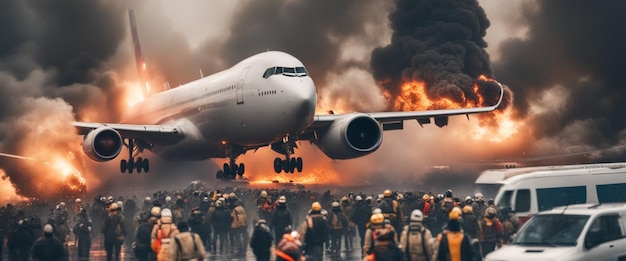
[102, 144]
[350, 136]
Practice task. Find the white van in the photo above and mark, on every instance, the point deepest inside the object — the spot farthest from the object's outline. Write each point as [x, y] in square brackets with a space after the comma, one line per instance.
[576, 232]
[527, 191]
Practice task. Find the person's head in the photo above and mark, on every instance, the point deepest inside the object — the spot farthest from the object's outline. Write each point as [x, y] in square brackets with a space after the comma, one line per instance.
[387, 193]
[417, 216]
[182, 226]
[377, 218]
[316, 207]
[166, 215]
[490, 213]
[48, 231]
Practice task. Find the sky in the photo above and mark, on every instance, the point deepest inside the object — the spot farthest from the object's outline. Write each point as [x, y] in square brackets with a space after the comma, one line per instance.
[560, 61]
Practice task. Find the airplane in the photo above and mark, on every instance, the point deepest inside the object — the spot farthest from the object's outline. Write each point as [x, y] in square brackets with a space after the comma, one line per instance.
[268, 99]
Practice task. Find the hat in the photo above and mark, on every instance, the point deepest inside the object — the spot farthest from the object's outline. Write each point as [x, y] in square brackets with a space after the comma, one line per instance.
[155, 211]
[113, 207]
[166, 212]
[358, 198]
[282, 200]
[316, 206]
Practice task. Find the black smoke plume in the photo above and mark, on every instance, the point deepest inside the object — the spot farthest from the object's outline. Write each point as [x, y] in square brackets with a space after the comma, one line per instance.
[440, 43]
[573, 52]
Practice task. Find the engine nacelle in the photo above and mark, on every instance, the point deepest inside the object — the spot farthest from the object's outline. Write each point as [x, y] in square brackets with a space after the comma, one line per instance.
[351, 136]
[102, 144]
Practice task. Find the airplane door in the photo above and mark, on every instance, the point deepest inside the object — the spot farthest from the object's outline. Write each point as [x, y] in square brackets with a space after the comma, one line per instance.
[240, 83]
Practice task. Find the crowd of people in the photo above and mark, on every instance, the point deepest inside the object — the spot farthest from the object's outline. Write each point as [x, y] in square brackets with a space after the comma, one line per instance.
[285, 224]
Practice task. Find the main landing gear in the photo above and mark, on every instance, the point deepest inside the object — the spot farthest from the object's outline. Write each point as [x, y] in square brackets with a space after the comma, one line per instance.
[232, 169]
[289, 164]
[132, 164]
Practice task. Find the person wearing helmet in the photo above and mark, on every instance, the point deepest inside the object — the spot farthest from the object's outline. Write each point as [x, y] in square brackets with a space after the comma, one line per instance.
[264, 206]
[162, 232]
[82, 231]
[281, 218]
[198, 225]
[78, 205]
[361, 216]
[348, 205]
[415, 239]
[114, 231]
[479, 205]
[222, 221]
[147, 204]
[238, 228]
[510, 224]
[187, 246]
[338, 226]
[381, 240]
[489, 231]
[49, 247]
[315, 232]
[261, 241]
[392, 210]
[469, 223]
[452, 243]
[142, 250]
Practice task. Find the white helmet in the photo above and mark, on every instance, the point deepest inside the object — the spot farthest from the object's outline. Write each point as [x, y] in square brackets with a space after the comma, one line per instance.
[155, 211]
[282, 200]
[358, 198]
[78, 200]
[62, 205]
[147, 199]
[168, 199]
[120, 204]
[377, 211]
[335, 204]
[417, 216]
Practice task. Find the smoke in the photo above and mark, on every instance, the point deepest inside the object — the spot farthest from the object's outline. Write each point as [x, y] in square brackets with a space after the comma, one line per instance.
[566, 72]
[440, 43]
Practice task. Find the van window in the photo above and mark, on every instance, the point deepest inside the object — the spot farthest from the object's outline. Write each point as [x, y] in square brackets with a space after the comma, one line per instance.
[611, 193]
[522, 200]
[548, 198]
[505, 200]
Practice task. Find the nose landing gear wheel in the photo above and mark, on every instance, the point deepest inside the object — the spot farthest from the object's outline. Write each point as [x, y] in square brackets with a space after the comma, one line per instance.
[123, 165]
[299, 164]
[278, 165]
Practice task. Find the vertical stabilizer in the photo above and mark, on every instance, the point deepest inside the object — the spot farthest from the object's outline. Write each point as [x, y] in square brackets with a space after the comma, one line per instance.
[139, 59]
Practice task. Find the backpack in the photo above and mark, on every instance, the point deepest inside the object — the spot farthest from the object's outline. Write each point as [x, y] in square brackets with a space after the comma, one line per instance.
[188, 256]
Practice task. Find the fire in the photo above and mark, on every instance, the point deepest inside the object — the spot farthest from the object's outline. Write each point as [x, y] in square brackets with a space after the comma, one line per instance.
[318, 175]
[496, 126]
[70, 175]
[134, 93]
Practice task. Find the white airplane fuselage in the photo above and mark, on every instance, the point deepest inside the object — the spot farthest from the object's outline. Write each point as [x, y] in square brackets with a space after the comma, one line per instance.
[235, 107]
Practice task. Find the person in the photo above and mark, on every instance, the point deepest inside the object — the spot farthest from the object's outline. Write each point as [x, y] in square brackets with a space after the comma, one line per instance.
[143, 251]
[338, 225]
[198, 225]
[114, 231]
[469, 223]
[238, 227]
[360, 217]
[82, 231]
[452, 243]
[510, 224]
[315, 231]
[281, 218]
[161, 235]
[479, 205]
[20, 241]
[381, 242]
[490, 231]
[222, 221]
[347, 206]
[186, 245]
[391, 210]
[289, 248]
[261, 241]
[48, 247]
[264, 206]
[416, 240]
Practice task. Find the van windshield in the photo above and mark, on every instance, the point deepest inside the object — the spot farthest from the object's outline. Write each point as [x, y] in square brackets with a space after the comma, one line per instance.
[551, 230]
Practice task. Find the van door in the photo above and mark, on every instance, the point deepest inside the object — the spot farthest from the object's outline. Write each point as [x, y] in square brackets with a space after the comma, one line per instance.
[604, 240]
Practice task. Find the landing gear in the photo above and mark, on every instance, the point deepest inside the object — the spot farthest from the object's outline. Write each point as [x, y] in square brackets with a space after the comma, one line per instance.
[289, 164]
[231, 169]
[131, 164]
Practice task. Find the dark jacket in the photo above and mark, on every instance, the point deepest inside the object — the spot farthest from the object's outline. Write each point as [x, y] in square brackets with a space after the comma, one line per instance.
[50, 249]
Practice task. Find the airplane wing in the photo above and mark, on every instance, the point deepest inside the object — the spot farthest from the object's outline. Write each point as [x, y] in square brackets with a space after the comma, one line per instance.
[394, 120]
[153, 134]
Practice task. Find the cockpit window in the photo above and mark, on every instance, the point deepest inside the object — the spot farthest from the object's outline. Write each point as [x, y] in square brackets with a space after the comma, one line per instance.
[286, 71]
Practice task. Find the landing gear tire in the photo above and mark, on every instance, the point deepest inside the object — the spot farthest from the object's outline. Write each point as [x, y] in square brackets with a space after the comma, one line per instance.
[123, 165]
[299, 164]
[130, 166]
[278, 165]
[146, 165]
[241, 170]
[139, 164]
[226, 169]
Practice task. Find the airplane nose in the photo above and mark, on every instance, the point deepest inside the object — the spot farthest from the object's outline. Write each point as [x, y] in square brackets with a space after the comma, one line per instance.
[304, 100]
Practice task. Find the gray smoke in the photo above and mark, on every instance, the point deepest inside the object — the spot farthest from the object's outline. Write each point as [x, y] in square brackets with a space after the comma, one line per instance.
[573, 52]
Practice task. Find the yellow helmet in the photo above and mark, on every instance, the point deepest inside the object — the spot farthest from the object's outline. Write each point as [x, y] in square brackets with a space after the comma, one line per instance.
[387, 193]
[468, 209]
[316, 206]
[377, 218]
[426, 197]
[455, 214]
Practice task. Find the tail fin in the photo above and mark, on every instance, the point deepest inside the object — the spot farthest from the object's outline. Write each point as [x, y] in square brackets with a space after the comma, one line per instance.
[139, 59]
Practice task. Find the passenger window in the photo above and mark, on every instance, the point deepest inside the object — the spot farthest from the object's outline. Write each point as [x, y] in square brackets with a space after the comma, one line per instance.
[603, 229]
[611, 193]
[549, 198]
[522, 200]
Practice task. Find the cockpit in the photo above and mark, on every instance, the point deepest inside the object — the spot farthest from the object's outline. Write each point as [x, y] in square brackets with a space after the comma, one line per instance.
[286, 71]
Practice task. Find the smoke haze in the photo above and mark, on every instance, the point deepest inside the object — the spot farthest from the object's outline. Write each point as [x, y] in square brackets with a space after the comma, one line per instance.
[72, 60]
